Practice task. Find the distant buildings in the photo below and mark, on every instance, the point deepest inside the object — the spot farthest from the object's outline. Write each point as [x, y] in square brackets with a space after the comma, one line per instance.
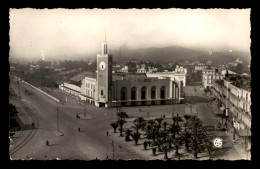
[106, 89]
[209, 76]
[179, 75]
[233, 64]
[152, 69]
[200, 66]
[238, 61]
[123, 69]
[141, 70]
[33, 67]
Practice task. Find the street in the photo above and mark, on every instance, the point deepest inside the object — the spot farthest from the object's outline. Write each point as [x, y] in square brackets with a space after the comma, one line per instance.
[92, 142]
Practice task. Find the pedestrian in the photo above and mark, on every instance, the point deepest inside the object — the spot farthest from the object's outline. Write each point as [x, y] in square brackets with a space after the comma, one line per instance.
[47, 142]
[76, 116]
[79, 129]
[219, 124]
[107, 133]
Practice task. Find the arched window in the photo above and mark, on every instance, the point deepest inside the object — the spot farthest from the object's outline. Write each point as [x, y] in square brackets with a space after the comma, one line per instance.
[133, 93]
[153, 92]
[162, 91]
[123, 93]
[143, 93]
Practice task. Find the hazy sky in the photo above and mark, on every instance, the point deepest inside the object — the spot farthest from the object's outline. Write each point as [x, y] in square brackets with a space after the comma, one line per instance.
[54, 32]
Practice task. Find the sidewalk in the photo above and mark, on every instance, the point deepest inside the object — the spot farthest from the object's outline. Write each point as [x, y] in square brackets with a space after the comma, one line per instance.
[239, 142]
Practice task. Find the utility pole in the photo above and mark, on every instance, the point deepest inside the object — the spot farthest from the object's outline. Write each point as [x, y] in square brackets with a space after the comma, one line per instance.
[113, 149]
[172, 110]
[84, 110]
[57, 118]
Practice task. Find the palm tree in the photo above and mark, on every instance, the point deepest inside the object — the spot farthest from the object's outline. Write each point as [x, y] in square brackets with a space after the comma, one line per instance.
[151, 130]
[165, 148]
[173, 129]
[159, 121]
[186, 134]
[159, 140]
[121, 122]
[176, 119]
[177, 143]
[148, 129]
[139, 122]
[121, 115]
[198, 136]
[114, 125]
[165, 125]
[128, 132]
[136, 137]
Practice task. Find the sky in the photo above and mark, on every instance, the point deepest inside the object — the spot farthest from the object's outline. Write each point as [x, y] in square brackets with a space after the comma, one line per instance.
[54, 33]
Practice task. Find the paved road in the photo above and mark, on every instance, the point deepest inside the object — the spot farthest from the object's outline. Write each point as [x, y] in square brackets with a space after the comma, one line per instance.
[92, 141]
[88, 144]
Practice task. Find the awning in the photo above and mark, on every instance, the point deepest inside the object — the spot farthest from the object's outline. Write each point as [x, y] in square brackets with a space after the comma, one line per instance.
[244, 132]
[222, 108]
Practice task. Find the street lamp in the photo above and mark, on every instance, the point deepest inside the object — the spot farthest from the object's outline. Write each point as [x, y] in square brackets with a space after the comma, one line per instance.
[57, 119]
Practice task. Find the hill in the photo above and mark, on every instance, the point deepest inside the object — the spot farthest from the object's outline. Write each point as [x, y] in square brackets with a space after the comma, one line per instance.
[163, 55]
[172, 54]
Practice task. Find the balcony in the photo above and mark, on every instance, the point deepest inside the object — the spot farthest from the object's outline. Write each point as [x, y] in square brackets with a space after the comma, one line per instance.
[244, 100]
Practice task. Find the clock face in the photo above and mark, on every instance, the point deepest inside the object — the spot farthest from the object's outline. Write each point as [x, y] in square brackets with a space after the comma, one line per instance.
[102, 65]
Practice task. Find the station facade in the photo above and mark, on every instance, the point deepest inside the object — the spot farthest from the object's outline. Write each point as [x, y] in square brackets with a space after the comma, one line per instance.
[107, 89]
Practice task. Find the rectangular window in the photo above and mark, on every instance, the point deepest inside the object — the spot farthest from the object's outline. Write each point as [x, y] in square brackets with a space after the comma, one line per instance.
[102, 93]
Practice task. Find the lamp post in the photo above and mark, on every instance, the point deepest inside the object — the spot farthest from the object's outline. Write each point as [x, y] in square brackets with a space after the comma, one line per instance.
[57, 119]
[113, 149]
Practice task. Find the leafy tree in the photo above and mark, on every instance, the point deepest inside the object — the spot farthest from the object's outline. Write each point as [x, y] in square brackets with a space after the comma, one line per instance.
[114, 125]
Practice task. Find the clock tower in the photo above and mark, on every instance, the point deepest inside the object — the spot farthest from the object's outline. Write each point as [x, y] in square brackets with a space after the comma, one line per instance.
[104, 77]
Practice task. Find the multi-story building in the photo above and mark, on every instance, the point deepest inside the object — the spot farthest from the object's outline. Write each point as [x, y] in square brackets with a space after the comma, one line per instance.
[179, 75]
[200, 66]
[123, 69]
[104, 89]
[141, 70]
[233, 93]
[209, 76]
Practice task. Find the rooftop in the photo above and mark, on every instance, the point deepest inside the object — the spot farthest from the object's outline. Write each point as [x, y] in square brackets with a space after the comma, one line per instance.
[82, 75]
[220, 82]
[241, 82]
